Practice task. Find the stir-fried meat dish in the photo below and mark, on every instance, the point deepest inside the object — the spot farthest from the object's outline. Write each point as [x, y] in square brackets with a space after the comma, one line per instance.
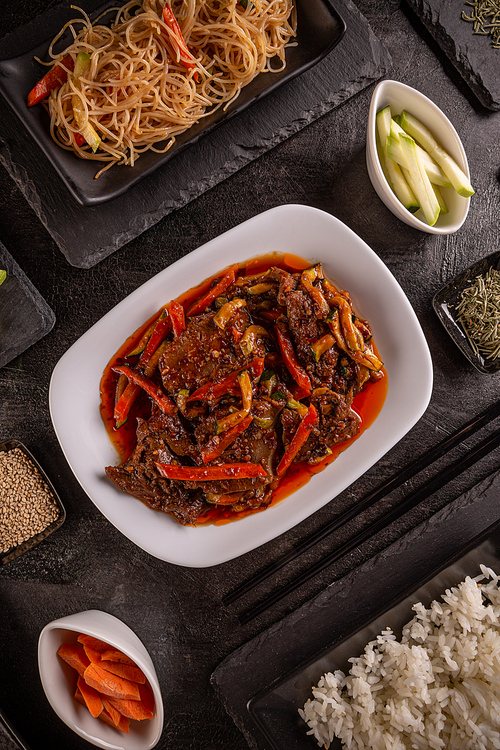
[258, 374]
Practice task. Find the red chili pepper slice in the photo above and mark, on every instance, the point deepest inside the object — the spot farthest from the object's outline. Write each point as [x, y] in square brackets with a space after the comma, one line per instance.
[210, 473]
[166, 405]
[228, 385]
[124, 404]
[214, 449]
[160, 331]
[129, 395]
[55, 77]
[177, 317]
[298, 440]
[290, 359]
[213, 293]
[185, 56]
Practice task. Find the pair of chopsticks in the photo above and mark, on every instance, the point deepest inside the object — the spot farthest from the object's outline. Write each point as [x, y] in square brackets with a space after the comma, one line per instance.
[411, 501]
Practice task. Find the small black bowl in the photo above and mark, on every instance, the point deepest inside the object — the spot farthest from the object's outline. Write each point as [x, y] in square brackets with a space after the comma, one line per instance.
[14, 552]
[445, 304]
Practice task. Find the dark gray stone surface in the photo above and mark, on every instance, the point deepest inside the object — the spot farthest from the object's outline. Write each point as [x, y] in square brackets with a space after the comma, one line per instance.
[176, 611]
[473, 55]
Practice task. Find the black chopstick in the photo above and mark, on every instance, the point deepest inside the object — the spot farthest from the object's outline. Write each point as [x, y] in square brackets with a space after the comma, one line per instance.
[427, 489]
[432, 455]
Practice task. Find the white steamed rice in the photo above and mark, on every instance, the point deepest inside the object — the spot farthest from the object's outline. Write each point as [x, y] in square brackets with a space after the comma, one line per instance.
[439, 687]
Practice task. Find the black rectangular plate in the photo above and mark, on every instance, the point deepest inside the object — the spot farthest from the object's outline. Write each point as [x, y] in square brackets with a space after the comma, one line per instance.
[264, 682]
[319, 29]
[445, 301]
[25, 317]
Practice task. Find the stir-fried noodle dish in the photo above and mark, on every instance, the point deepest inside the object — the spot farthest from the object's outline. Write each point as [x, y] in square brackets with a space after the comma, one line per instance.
[138, 76]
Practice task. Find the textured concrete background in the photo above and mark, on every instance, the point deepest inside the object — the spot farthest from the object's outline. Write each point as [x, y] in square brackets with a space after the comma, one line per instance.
[177, 611]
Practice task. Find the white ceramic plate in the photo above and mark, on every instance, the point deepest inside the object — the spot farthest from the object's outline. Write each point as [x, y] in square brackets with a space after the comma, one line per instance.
[377, 296]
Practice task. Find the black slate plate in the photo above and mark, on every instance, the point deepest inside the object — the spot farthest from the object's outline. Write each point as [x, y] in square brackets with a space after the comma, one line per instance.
[263, 683]
[471, 54]
[25, 317]
[88, 234]
[445, 301]
[276, 708]
[319, 29]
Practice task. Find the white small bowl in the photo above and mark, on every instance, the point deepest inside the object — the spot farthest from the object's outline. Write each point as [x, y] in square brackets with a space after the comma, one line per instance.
[58, 680]
[400, 97]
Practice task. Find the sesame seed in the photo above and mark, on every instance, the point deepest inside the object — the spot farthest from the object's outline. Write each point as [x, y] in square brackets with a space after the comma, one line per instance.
[27, 504]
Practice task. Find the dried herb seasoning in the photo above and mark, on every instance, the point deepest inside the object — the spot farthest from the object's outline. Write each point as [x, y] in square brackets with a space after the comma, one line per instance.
[478, 312]
[485, 16]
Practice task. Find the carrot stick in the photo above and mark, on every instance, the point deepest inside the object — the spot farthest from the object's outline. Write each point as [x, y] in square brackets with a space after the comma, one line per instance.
[112, 654]
[147, 696]
[112, 711]
[124, 723]
[93, 655]
[111, 684]
[74, 655]
[92, 699]
[132, 709]
[94, 643]
[132, 673]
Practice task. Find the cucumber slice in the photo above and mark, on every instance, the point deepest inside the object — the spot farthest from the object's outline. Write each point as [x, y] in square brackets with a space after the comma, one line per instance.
[422, 185]
[434, 171]
[443, 208]
[423, 135]
[392, 171]
[82, 64]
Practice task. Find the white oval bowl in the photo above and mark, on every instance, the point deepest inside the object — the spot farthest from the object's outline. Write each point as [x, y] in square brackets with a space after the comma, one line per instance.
[58, 680]
[399, 96]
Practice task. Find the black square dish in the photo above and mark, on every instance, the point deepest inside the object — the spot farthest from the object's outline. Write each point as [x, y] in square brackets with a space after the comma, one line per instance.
[24, 546]
[319, 29]
[445, 305]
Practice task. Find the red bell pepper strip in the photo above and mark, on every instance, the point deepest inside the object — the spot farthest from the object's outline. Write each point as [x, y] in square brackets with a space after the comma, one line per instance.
[55, 77]
[290, 359]
[178, 41]
[214, 449]
[160, 331]
[213, 293]
[129, 395]
[298, 440]
[210, 473]
[124, 404]
[177, 317]
[229, 384]
[165, 404]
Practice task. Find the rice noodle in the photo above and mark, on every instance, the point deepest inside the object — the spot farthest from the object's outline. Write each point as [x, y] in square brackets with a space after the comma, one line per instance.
[138, 95]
